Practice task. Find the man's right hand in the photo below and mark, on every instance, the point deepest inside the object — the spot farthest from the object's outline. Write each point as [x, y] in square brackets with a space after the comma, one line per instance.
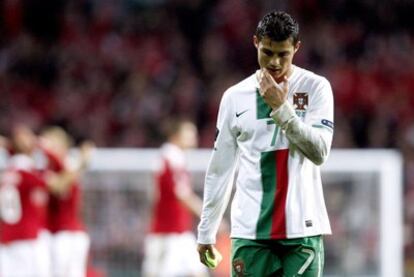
[202, 250]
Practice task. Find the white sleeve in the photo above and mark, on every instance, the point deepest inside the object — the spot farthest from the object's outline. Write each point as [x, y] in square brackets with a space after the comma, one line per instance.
[313, 137]
[220, 174]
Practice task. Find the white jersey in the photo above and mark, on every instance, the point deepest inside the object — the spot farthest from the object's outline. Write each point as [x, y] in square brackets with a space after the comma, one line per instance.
[277, 154]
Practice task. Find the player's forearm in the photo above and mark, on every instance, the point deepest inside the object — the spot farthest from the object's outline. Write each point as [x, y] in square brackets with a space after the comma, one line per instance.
[60, 183]
[214, 206]
[57, 183]
[312, 142]
[309, 140]
[217, 190]
[85, 153]
[193, 203]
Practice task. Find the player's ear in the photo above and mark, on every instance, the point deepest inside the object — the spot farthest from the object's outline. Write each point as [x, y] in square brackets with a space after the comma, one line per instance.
[256, 41]
[297, 46]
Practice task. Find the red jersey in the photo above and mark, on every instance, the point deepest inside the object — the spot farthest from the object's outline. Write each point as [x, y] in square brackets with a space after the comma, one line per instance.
[63, 211]
[23, 203]
[170, 215]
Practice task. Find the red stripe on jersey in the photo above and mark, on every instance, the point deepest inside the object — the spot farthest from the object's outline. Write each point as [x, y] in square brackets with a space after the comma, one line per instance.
[279, 214]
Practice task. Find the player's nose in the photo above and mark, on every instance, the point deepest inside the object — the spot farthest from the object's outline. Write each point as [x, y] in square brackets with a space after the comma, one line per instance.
[275, 62]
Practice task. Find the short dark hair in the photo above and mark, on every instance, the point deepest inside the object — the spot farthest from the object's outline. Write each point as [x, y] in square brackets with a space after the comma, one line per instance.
[278, 26]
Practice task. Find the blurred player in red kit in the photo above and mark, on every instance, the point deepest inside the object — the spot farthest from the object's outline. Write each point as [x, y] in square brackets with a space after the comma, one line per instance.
[23, 206]
[170, 246]
[70, 241]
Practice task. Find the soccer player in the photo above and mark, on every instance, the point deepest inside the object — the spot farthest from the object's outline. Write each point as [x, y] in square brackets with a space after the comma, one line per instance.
[170, 245]
[70, 241]
[278, 124]
[23, 205]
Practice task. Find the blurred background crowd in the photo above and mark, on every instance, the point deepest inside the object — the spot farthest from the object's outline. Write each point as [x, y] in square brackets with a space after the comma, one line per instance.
[112, 71]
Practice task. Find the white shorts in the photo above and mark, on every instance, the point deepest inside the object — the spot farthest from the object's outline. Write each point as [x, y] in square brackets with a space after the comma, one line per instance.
[172, 256]
[26, 258]
[70, 253]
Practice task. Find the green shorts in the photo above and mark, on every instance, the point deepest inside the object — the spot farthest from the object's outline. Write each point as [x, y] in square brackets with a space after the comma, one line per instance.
[278, 258]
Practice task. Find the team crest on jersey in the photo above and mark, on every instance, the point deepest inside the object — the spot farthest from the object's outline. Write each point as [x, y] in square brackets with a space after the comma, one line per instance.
[238, 266]
[300, 103]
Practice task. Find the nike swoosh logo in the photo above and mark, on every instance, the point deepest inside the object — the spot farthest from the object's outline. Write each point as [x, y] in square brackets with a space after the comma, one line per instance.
[240, 113]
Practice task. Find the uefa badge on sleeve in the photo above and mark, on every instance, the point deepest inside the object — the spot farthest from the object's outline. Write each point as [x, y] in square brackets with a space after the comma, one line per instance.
[300, 103]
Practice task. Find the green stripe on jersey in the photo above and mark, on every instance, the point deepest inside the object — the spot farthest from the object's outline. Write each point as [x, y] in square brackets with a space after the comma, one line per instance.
[268, 170]
[263, 110]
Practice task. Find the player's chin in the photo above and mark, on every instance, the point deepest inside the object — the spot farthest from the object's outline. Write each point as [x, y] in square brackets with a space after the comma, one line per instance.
[276, 74]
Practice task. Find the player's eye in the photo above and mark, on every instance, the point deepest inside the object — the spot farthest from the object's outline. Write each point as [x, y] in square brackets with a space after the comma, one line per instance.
[267, 52]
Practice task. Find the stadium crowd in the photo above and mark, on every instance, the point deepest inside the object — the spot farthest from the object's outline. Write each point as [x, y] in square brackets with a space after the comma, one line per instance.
[112, 71]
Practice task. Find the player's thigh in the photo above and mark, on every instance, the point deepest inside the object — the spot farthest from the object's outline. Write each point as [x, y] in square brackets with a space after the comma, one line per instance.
[191, 258]
[61, 252]
[253, 258]
[181, 257]
[42, 254]
[155, 247]
[18, 259]
[305, 259]
[83, 243]
[80, 247]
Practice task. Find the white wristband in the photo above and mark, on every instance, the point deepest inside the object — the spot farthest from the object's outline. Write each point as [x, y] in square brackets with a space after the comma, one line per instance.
[283, 114]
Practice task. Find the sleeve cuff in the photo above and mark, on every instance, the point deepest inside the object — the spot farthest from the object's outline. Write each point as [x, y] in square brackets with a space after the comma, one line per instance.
[283, 114]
